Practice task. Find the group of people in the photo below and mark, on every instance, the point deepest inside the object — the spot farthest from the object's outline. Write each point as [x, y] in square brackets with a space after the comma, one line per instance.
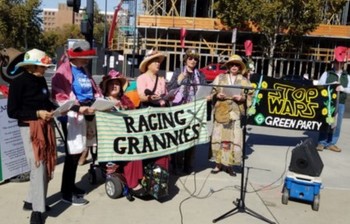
[31, 103]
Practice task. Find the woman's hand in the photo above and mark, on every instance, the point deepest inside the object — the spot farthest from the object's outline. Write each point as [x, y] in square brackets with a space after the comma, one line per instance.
[87, 110]
[155, 97]
[221, 96]
[181, 77]
[162, 103]
[238, 98]
[44, 115]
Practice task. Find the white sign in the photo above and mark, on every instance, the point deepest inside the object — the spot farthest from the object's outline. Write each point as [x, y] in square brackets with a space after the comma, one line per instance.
[12, 157]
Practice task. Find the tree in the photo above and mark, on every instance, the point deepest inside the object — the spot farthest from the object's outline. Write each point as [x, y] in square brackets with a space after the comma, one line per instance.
[278, 21]
[20, 23]
[54, 39]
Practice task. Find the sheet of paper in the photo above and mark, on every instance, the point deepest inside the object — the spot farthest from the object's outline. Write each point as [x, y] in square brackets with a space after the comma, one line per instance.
[231, 91]
[171, 94]
[101, 104]
[63, 108]
[203, 92]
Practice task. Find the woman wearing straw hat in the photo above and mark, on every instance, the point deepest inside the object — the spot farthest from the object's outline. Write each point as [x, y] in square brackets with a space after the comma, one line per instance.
[29, 103]
[151, 87]
[72, 81]
[227, 139]
[113, 87]
[185, 83]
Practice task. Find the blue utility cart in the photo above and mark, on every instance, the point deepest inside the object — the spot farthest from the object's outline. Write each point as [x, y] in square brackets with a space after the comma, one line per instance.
[302, 187]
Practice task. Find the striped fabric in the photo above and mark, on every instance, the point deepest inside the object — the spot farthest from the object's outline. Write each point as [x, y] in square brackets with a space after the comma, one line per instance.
[150, 132]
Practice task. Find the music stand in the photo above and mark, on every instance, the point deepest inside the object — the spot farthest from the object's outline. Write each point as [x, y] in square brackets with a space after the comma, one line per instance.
[240, 202]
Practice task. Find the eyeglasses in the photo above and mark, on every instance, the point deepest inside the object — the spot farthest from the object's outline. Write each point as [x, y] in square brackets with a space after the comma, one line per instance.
[236, 64]
[192, 58]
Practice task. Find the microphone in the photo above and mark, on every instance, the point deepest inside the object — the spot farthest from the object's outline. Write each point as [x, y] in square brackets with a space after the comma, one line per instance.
[148, 92]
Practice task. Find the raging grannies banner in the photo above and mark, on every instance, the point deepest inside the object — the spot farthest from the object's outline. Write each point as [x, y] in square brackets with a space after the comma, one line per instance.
[150, 132]
[285, 104]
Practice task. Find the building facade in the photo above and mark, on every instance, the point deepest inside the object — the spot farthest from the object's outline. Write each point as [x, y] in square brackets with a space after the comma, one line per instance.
[57, 18]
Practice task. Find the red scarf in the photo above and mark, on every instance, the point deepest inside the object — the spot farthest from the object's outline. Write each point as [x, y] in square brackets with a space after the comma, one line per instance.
[42, 135]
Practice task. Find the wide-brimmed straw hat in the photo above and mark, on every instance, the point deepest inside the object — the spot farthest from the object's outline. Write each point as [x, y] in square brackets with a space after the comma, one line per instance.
[35, 57]
[9, 58]
[112, 75]
[236, 59]
[152, 54]
[81, 49]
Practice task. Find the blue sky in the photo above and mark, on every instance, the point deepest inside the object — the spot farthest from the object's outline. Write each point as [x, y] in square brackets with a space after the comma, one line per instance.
[101, 4]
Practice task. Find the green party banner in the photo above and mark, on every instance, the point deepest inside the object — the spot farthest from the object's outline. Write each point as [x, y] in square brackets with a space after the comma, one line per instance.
[285, 104]
[150, 132]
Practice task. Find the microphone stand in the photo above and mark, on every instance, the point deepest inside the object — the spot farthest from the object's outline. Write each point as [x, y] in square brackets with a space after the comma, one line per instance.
[240, 202]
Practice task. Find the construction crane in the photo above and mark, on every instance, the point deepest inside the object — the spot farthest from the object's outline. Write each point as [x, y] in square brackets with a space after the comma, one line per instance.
[114, 24]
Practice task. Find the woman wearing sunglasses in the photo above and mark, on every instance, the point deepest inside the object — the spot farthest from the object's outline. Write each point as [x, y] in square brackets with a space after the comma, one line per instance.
[184, 82]
[226, 142]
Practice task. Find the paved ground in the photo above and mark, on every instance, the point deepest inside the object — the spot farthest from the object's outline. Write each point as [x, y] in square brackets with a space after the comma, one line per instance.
[201, 197]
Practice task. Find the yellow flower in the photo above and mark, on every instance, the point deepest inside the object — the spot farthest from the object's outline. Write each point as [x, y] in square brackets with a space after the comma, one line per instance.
[254, 85]
[324, 92]
[324, 111]
[334, 95]
[264, 85]
[260, 95]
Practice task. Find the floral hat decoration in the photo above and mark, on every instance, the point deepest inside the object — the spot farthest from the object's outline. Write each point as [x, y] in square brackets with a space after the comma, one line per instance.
[35, 57]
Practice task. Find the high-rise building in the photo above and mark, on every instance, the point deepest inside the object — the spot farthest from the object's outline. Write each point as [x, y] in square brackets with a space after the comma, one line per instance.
[55, 18]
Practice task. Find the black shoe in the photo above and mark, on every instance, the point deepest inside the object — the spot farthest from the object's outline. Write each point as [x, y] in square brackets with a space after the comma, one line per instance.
[36, 218]
[231, 172]
[138, 193]
[79, 192]
[29, 207]
[75, 200]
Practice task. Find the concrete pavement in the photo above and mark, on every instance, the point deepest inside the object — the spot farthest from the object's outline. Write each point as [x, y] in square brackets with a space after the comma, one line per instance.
[201, 197]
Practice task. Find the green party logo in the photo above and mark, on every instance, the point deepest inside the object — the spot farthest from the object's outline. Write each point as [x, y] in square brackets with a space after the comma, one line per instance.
[259, 119]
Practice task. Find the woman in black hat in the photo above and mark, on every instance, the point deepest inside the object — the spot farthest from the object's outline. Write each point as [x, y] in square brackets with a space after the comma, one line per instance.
[184, 82]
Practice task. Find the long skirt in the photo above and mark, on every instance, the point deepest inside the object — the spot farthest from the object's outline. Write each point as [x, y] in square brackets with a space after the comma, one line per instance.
[226, 143]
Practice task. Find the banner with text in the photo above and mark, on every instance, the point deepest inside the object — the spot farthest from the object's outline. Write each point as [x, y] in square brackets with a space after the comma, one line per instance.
[150, 132]
[285, 104]
[12, 157]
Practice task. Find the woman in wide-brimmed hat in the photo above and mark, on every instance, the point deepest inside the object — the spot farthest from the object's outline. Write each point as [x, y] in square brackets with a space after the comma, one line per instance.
[151, 88]
[72, 81]
[150, 85]
[226, 138]
[113, 86]
[29, 103]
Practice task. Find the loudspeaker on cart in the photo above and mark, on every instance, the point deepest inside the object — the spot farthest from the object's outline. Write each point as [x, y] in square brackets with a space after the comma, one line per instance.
[303, 181]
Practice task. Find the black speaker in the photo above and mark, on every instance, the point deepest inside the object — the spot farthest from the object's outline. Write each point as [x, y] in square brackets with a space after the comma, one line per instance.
[306, 160]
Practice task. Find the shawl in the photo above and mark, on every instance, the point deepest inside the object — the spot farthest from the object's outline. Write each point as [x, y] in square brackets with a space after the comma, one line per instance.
[42, 135]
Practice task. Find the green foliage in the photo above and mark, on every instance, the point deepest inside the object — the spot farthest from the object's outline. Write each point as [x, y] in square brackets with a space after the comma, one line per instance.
[58, 38]
[277, 20]
[21, 27]
[20, 24]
